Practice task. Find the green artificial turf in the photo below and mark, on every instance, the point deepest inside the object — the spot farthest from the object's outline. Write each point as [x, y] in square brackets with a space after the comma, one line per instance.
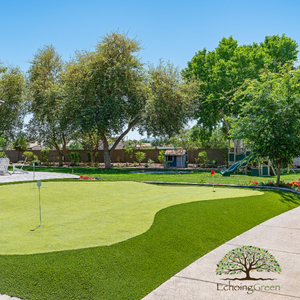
[88, 214]
[131, 269]
[194, 175]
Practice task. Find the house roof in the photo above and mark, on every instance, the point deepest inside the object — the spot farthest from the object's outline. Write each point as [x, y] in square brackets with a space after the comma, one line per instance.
[175, 152]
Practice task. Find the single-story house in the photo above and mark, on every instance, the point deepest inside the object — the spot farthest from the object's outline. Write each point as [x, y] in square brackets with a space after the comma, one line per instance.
[176, 158]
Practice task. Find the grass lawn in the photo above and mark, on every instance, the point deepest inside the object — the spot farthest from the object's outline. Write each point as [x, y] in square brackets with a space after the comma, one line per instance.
[88, 214]
[132, 268]
[195, 176]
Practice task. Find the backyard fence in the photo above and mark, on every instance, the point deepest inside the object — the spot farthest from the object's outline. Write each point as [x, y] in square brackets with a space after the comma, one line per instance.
[118, 155]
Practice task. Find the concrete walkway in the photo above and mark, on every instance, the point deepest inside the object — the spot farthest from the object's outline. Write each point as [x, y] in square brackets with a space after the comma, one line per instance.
[279, 235]
[37, 176]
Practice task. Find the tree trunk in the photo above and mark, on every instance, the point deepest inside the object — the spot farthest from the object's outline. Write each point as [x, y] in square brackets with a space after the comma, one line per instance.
[225, 122]
[106, 153]
[65, 154]
[92, 150]
[278, 171]
[247, 275]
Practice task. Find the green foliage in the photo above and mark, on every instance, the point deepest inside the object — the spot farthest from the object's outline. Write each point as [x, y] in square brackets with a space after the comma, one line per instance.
[75, 158]
[89, 156]
[75, 146]
[185, 140]
[160, 142]
[134, 164]
[2, 140]
[20, 143]
[12, 91]
[140, 156]
[161, 156]
[270, 118]
[45, 153]
[223, 71]
[172, 100]
[49, 104]
[29, 156]
[129, 151]
[2, 154]
[150, 161]
[246, 259]
[202, 157]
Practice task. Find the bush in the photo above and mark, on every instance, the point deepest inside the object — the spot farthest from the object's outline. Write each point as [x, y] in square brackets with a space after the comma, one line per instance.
[161, 156]
[129, 151]
[140, 156]
[20, 143]
[44, 153]
[202, 157]
[29, 156]
[89, 156]
[75, 158]
[150, 161]
[2, 155]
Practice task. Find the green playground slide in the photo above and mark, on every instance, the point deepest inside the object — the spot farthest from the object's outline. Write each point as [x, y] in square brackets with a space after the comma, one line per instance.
[237, 165]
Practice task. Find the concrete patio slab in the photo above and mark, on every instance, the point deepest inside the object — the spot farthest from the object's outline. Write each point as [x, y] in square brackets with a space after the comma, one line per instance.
[37, 176]
[279, 235]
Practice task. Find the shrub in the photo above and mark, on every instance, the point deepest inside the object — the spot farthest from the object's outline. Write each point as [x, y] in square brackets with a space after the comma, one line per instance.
[44, 153]
[2, 155]
[140, 156]
[75, 158]
[202, 157]
[134, 163]
[161, 156]
[20, 143]
[89, 156]
[129, 151]
[29, 156]
[150, 161]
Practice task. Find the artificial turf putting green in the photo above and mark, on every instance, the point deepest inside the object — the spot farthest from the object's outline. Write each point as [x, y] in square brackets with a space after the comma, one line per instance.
[88, 214]
[131, 269]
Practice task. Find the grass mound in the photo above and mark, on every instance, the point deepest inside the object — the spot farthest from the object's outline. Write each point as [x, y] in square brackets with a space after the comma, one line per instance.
[131, 269]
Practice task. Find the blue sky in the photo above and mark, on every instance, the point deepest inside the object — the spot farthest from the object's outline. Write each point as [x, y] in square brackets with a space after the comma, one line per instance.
[171, 30]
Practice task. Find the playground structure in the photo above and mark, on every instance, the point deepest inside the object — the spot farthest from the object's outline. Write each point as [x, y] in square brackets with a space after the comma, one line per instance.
[239, 157]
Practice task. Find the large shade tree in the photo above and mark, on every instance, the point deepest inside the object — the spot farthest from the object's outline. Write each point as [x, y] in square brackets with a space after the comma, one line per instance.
[51, 121]
[12, 92]
[269, 119]
[224, 70]
[112, 93]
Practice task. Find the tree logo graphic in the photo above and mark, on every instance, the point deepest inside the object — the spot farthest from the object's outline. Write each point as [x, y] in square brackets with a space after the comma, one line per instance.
[247, 259]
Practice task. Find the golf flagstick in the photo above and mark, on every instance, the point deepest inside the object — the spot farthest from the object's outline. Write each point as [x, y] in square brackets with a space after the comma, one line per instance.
[213, 175]
[40, 207]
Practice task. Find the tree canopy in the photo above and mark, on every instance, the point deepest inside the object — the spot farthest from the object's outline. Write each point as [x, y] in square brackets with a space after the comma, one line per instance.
[111, 92]
[269, 119]
[47, 101]
[224, 70]
[12, 92]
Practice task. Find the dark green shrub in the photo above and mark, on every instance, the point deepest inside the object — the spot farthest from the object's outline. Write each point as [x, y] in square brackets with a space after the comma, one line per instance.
[75, 158]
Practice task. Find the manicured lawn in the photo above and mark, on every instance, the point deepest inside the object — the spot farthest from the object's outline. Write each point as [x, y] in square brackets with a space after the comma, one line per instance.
[88, 214]
[130, 269]
[195, 176]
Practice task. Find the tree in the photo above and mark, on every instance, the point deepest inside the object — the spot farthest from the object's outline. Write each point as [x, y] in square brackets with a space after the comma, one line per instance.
[111, 92]
[51, 120]
[223, 71]
[12, 91]
[270, 118]
[247, 259]
[20, 143]
[184, 140]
